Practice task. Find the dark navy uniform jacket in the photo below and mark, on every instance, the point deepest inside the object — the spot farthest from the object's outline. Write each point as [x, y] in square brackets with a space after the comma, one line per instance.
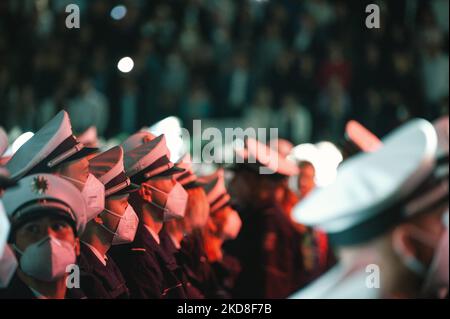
[148, 271]
[200, 272]
[226, 273]
[17, 289]
[267, 249]
[100, 281]
[172, 252]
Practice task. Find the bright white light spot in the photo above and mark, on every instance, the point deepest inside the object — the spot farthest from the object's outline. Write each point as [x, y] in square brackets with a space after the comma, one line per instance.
[125, 64]
[22, 139]
[171, 128]
[118, 12]
[324, 156]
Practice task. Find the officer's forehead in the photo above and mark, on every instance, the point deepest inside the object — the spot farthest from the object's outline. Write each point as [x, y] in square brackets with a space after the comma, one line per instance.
[44, 218]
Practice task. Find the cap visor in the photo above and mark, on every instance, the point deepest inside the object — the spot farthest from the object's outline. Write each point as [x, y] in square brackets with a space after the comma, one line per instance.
[193, 184]
[85, 151]
[127, 190]
[171, 171]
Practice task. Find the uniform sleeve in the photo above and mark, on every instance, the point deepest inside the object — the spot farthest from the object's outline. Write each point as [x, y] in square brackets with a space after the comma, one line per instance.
[279, 259]
[144, 278]
[92, 287]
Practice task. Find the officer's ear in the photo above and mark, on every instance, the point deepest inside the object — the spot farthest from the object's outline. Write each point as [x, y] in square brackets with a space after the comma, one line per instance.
[402, 241]
[77, 246]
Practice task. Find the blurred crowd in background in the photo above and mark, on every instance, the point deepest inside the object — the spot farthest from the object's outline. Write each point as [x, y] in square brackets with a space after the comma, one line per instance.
[305, 67]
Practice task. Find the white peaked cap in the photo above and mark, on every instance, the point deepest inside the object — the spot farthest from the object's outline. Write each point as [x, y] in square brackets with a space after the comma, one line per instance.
[369, 184]
[36, 193]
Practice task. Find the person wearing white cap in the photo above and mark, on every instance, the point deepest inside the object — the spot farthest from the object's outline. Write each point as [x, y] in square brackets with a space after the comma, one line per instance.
[148, 270]
[47, 215]
[8, 261]
[267, 245]
[54, 149]
[116, 225]
[437, 282]
[136, 140]
[182, 238]
[223, 225]
[383, 213]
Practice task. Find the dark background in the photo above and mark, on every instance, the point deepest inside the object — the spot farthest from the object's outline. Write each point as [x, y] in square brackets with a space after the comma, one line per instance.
[263, 62]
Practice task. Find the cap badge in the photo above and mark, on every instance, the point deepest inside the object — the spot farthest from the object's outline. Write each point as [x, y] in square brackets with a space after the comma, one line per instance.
[39, 185]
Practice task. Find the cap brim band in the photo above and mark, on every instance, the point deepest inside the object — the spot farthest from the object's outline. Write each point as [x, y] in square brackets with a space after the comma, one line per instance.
[127, 190]
[85, 151]
[37, 210]
[6, 182]
[167, 172]
[191, 185]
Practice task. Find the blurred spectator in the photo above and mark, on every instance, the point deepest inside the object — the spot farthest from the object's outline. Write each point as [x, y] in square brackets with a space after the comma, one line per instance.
[336, 66]
[306, 179]
[294, 121]
[260, 113]
[88, 108]
[197, 106]
[322, 12]
[232, 47]
[305, 35]
[435, 68]
[238, 83]
[334, 106]
[128, 107]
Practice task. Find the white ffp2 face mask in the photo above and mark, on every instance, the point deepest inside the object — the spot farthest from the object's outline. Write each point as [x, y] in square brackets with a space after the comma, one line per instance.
[126, 229]
[93, 193]
[8, 266]
[47, 259]
[176, 201]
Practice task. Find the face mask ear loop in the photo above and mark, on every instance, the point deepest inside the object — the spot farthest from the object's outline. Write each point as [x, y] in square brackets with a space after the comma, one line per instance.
[17, 249]
[157, 206]
[106, 228]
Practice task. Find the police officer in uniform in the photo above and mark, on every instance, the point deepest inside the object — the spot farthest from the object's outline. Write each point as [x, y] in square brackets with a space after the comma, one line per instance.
[117, 224]
[47, 214]
[148, 270]
[383, 214]
[267, 245]
[54, 149]
[177, 232]
[8, 261]
[223, 225]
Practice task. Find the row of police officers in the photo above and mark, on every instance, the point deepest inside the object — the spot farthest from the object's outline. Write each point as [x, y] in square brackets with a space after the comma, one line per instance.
[126, 222]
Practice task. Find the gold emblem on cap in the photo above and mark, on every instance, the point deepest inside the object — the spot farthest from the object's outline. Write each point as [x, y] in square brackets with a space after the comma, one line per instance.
[39, 185]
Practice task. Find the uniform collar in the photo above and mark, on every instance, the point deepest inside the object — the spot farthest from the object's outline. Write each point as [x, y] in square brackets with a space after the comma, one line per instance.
[100, 257]
[175, 242]
[153, 233]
